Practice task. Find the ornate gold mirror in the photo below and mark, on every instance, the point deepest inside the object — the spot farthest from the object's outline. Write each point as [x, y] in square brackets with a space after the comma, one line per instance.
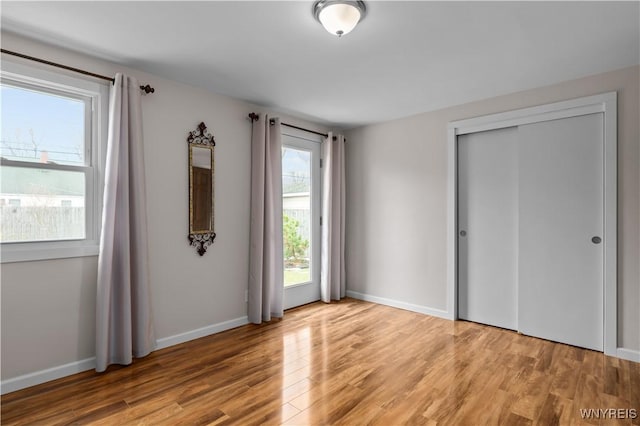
[201, 202]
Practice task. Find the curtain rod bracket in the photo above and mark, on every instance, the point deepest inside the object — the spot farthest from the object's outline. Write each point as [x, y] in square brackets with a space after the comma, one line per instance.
[253, 116]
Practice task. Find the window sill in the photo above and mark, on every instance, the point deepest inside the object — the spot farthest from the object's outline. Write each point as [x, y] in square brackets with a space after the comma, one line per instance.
[27, 252]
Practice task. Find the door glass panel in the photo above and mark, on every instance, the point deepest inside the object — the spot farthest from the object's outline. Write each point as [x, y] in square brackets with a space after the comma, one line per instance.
[296, 215]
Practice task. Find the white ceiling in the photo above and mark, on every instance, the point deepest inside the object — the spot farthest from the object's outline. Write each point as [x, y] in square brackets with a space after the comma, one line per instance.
[404, 58]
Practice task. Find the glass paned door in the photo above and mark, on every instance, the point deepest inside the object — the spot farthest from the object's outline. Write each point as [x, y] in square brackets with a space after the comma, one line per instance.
[301, 220]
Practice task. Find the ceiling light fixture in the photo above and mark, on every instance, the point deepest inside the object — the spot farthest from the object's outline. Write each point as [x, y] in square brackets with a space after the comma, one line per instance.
[339, 17]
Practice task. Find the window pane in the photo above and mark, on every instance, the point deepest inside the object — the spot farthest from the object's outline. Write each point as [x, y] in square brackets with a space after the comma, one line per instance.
[296, 205]
[41, 205]
[41, 127]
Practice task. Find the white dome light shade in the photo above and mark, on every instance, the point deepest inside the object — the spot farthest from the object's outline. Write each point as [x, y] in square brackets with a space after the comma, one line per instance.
[339, 17]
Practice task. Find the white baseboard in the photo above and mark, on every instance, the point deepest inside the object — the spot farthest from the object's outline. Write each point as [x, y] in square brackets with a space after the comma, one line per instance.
[398, 304]
[628, 354]
[165, 342]
[42, 376]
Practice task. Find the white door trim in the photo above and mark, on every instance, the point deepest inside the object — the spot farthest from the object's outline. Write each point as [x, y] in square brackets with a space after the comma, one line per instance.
[605, 103]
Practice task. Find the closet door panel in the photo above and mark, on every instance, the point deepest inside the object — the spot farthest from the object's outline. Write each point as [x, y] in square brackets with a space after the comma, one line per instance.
[560, 262]
[487, 227]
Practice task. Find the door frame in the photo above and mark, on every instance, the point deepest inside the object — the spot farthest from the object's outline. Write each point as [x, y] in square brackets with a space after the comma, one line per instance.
[303, 293]
[605, 103]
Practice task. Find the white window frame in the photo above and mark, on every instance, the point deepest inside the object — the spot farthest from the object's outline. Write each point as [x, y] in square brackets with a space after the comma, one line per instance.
[96, 98]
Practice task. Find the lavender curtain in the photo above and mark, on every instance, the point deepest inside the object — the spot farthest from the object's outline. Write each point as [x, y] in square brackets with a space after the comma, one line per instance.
[124, 322]
[265, 252]
[332, 272]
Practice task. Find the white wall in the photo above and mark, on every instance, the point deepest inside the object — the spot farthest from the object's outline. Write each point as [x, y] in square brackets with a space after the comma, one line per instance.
[48, 307]
[397, 206]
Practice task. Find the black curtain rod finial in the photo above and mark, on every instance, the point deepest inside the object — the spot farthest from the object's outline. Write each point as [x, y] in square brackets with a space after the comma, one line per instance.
[148, 89]
[253, 116]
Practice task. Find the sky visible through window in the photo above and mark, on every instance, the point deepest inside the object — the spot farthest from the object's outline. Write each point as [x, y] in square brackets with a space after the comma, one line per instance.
[41, 127]
[296, 171]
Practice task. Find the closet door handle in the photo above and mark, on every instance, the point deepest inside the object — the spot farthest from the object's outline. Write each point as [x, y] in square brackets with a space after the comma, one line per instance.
[596, 240]
[463, 233]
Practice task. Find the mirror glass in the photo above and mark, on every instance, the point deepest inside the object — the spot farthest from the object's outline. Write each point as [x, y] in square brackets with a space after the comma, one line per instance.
[201, 190]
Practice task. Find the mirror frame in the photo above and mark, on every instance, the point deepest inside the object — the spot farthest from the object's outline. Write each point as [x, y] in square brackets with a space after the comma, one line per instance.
[201, 138]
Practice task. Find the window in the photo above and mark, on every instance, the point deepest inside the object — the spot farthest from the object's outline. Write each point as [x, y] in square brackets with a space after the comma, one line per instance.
[51, 151]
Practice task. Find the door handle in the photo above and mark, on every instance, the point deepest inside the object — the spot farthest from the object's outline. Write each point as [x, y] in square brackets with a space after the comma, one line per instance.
[596, 240]
[463, 233]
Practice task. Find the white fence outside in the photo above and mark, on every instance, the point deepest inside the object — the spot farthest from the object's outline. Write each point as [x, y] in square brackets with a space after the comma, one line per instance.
[41, 223]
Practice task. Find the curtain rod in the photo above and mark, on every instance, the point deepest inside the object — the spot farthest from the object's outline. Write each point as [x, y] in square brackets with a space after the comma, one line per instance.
[254, 117]
[147, 88]
[305, 130]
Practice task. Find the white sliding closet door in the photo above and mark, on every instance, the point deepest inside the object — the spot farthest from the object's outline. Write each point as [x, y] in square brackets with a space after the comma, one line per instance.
[560, 262]
[488, 227]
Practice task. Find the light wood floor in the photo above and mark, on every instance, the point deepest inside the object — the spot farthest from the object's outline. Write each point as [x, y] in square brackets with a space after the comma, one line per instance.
[346, 363]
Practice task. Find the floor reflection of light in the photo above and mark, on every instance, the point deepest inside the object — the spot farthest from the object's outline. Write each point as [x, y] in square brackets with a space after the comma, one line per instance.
[296, 369]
